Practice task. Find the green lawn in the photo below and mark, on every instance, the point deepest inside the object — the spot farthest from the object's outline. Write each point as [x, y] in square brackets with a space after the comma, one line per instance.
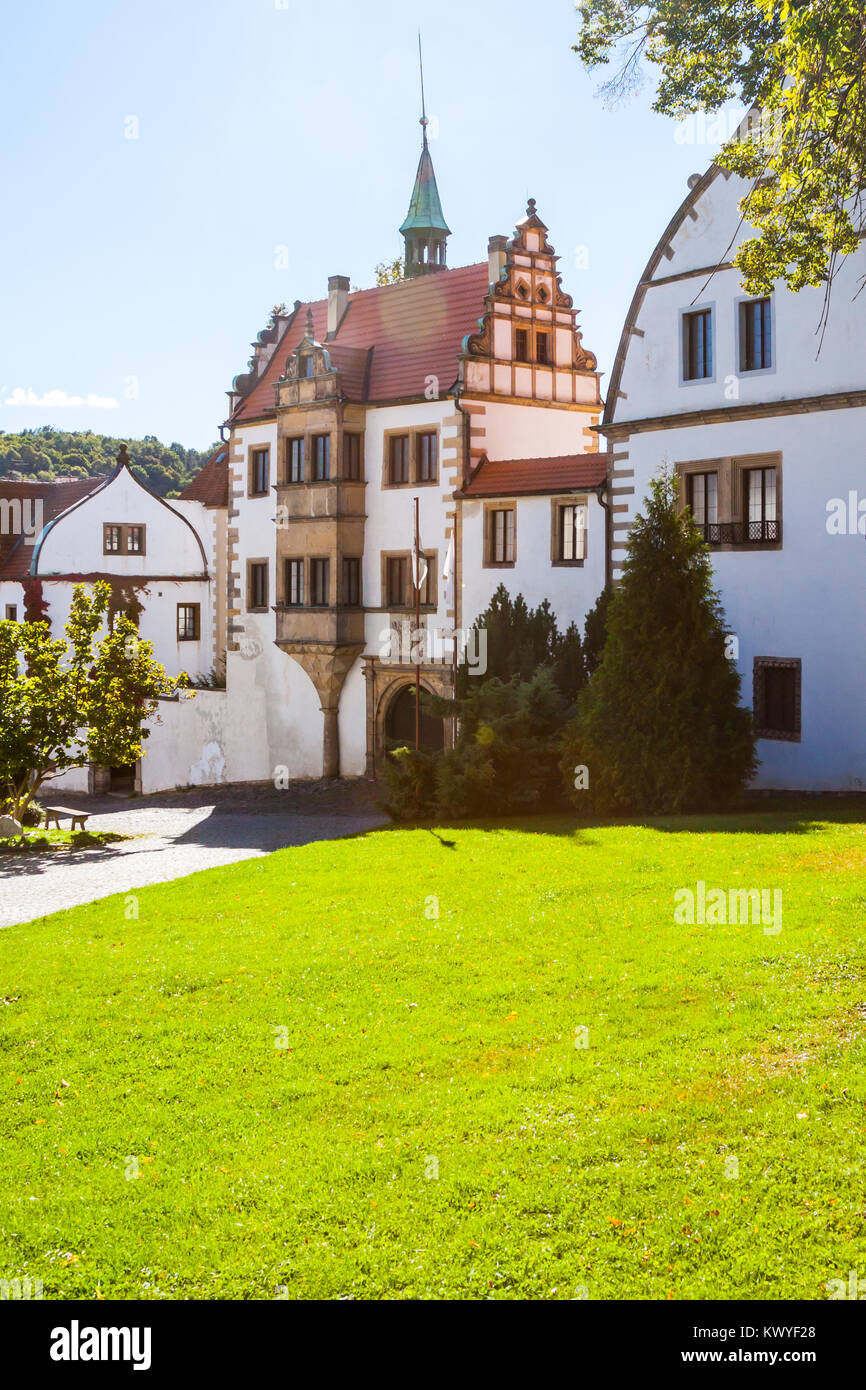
[415, 1043]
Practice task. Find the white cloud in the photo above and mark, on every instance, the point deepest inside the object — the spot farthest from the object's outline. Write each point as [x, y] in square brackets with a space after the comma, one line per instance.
[58, 400]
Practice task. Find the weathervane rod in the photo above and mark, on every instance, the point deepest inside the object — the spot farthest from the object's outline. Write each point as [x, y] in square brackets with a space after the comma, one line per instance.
[421, 65]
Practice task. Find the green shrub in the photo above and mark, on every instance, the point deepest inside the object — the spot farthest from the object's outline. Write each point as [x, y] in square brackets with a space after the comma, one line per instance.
[410, 784]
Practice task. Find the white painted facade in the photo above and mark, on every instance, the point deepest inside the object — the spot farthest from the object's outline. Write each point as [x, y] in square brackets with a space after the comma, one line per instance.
[801, 600]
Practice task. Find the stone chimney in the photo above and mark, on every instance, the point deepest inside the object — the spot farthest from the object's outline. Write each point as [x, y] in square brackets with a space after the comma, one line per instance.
[496, 256]
[338, 301]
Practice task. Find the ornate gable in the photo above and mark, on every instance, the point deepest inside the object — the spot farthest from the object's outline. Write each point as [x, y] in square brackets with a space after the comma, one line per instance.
[529, 344]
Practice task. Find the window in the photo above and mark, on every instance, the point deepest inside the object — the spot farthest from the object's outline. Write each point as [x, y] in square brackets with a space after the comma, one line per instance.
[776, 697]
[118, 539]
[756, 335]
[542, 294]
[698, 345]
[397, 581]
[188, 622]
[521, 345]
[500, 535]
[542, 348]
[294, 583]
[306, 365]
[523, 290]
[428, 457]
[398, 471]
[12, 612]
[427, 596]
[352, 457]
[259, 472]
[352, 583]
[760, 505]
[320, 583]
[295, 470]
[321, 457]
[571, 537]
[257, 585]
[703, 496]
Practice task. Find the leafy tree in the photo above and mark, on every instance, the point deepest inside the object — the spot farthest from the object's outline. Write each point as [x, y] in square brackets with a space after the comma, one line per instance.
[660, 727]
[595, 631]
[69, 701]
[389, 272]
[520, 639]
[802, 65]
[47, 453]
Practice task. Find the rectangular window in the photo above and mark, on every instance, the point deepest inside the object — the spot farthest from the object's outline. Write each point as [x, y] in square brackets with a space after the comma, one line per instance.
[295, 470]
[698, 345]
[260, 472]
[111, 539]
[542, 348]
[428, 458]
[257, 588]
[306, 365]
[12, 612]
[188, 619]
[762, 522]
[776, 698]
[118, 539]
[321, 458]
[521, 345]
[500, 550]
[756, 335]
[320, 583]
[397, 581]
[352, 457]
[294, 583]
[135, 540]
[427, 596]
[398, 469]
[352, 583]
[704, 503]
[572, 533]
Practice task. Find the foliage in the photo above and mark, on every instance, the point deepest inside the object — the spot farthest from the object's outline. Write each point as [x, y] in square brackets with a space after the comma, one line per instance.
[595, 631]
[390, 272]
[72, 700]
[520, 640]
[410, 783]
[429, 997]
[802, 65]
[660, 726]
[42, 454]
[506, 757]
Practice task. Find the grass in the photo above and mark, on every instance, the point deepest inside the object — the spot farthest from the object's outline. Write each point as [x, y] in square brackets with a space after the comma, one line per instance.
[40, 840]
[417, 1044]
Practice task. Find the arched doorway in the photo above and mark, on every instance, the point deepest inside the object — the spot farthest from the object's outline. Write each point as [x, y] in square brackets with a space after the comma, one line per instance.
[400, 723]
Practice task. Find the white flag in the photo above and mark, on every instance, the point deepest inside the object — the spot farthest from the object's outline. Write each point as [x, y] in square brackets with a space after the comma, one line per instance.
[419, 566]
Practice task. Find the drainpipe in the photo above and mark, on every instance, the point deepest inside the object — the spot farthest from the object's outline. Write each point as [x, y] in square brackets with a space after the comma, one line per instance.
[604, 501]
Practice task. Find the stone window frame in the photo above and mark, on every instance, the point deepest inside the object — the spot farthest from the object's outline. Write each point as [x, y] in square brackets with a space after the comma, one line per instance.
[287, 479]
[556, 506]
[731, 485]
[788, 663]
[359, 435]
[308, 436]
[499, 505]
[258, 560]
[430, 584]
[412, 432]
[323, 560]
[124, 528]
[739, 302]
[11, 612]
[288, 561]
[252, 451]
[356, 560]
[196, 633]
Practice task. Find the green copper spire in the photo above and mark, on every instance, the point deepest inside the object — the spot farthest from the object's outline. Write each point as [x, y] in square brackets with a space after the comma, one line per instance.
[425, 230]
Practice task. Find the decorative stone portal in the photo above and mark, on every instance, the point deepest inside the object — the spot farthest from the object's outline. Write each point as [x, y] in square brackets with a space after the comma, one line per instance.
[327, 665]
[390, 702]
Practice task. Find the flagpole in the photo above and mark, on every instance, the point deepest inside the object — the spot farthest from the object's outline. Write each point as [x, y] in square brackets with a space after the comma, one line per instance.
[417, 577]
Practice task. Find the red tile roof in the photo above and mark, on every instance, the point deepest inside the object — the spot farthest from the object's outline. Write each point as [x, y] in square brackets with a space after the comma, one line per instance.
[510, 477]
[211, 484]
[16, 551]
[411, 330]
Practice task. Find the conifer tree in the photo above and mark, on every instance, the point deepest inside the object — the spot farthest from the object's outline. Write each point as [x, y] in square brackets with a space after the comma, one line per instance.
[660, 727]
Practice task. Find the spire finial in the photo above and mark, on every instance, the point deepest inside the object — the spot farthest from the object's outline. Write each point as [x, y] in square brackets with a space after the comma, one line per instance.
[530, 208]
[424, 120]
[309, 320]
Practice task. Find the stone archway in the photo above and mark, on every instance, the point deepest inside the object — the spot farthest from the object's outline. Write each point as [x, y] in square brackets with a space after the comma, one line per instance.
[385, 682]
[400, 722]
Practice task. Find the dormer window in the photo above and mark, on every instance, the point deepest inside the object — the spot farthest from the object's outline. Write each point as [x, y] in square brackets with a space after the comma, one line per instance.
[542, 348]
[521, 344]
[306, 365]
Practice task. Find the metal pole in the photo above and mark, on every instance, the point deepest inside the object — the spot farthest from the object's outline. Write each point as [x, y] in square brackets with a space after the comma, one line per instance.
[417, 577]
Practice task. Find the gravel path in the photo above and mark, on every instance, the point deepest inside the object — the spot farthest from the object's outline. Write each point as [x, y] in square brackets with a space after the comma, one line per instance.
[178, 834]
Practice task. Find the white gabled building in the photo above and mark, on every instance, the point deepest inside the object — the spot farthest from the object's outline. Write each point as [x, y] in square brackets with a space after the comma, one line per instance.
[767, 436]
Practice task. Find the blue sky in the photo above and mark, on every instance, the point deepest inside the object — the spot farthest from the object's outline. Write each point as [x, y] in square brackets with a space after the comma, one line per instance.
[139, 270]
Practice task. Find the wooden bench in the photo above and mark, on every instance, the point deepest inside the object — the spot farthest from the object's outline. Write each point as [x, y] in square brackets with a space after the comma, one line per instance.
[53, 813]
